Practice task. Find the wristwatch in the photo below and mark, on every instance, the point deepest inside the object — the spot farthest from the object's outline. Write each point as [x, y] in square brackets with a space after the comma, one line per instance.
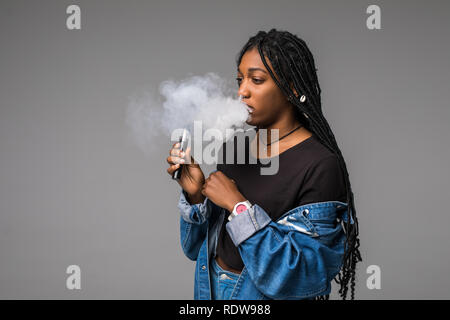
[239, 208]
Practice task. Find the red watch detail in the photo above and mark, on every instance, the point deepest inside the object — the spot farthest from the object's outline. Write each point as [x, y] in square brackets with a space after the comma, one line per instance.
[241, 208]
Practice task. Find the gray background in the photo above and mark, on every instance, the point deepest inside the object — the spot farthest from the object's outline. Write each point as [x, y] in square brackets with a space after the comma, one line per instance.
[75, 189]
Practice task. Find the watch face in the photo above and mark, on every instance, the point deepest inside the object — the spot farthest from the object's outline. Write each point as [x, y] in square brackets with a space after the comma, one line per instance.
[241, 208]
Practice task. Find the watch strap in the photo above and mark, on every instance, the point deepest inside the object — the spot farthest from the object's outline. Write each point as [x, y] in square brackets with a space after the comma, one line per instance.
[234, 213]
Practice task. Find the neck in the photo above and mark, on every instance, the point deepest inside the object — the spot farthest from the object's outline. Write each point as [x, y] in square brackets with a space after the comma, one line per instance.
[283, 125]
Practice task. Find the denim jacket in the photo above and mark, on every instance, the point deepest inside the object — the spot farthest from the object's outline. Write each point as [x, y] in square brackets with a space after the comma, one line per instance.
[295, 257]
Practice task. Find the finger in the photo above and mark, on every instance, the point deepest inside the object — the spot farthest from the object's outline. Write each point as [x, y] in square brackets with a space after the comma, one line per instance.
[187, 156]
[216, 174]
[182, 154]
[174, 152]
[174, 160]
[175, 146]
[170, 160]
[172, 169]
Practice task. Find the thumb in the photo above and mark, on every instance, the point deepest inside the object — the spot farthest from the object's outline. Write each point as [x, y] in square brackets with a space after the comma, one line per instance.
[188, 157]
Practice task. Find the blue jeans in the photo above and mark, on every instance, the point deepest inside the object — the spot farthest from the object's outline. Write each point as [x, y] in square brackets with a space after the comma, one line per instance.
[222, 282]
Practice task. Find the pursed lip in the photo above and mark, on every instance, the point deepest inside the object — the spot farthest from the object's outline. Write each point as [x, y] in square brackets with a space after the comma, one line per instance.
[250, 109]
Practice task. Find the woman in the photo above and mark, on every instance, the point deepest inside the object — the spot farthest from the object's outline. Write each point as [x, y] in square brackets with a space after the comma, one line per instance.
[281, 236]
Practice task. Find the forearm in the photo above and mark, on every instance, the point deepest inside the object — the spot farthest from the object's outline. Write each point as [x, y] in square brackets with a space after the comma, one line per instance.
[196, 213]
[195, 198]
[193, 225]
[286, 260]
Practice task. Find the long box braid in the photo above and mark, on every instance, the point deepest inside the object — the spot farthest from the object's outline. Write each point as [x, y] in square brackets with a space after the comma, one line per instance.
[296, 75]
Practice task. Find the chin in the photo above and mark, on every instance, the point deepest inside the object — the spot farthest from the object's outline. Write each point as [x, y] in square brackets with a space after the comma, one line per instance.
[255, 122]
[250, 121]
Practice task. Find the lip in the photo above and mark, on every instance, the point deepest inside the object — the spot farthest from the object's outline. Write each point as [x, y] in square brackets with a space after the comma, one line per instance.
[250, 109]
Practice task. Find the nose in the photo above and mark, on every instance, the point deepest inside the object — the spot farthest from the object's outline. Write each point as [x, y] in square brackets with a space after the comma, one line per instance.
[243, 91]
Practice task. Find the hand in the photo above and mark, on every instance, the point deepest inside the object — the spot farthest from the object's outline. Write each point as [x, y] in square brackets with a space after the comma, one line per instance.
[222, 190]
[192, 177]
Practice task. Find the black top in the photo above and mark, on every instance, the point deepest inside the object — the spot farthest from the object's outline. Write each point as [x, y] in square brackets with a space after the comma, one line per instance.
[307, 172]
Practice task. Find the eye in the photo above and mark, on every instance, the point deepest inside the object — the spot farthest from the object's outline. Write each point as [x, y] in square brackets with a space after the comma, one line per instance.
[238, 80]
[257, 80]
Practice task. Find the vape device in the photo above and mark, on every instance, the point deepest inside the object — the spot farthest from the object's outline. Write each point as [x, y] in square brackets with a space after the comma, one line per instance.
[183, 145]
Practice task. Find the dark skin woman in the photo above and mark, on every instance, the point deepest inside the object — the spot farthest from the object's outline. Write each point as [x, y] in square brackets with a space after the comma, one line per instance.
[271, 110]
[277, 79]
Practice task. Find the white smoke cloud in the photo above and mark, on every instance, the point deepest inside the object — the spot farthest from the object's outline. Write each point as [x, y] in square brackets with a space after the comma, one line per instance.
[199, 98]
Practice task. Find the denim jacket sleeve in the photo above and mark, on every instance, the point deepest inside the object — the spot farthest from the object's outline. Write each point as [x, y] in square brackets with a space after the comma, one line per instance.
[193, 225]
[296, 256]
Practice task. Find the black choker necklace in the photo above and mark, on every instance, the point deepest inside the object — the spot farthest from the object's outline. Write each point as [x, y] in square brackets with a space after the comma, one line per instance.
[266, 145]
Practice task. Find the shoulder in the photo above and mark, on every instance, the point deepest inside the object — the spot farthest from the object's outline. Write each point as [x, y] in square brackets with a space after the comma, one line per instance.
[324, 178]
[324, 182]
[316, 154]
[324, 165]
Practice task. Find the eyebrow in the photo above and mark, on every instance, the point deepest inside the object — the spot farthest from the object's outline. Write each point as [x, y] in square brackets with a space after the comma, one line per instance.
[253, 69]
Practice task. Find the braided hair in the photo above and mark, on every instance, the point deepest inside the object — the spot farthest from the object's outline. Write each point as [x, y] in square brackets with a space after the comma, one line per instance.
[295, 74]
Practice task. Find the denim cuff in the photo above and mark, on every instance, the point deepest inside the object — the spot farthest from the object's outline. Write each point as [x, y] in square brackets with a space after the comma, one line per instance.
[193, 213]
[244, 225]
